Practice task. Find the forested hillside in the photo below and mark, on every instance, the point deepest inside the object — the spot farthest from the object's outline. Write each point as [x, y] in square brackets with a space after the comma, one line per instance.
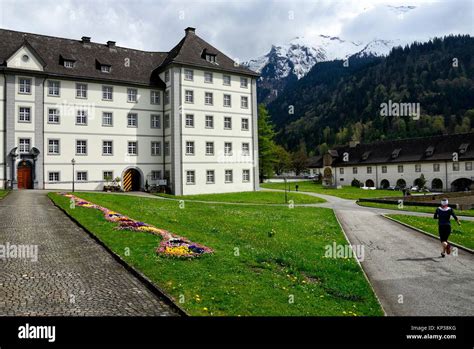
[335, 103]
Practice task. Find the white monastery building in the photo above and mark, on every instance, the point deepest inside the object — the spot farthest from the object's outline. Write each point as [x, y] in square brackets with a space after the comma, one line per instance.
[187, 116]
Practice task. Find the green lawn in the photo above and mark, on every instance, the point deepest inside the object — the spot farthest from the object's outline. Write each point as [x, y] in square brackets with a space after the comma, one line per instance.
[462, 235]
[346, 192]
[3, 193]
[265, 256]
[424, 209]
[258, 197]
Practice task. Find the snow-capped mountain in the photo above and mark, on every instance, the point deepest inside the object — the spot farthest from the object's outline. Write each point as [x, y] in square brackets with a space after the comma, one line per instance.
[293, 60]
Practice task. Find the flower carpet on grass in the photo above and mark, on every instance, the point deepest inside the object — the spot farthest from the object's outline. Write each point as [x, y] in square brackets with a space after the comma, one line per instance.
[171, 245]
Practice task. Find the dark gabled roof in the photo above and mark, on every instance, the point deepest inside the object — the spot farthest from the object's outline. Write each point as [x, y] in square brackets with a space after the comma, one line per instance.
[315, 161]
[409, 150]
[142, 68]
[189, 51]
[52, 50]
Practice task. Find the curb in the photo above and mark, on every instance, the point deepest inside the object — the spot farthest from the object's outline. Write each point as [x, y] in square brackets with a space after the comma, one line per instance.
[467, 249]
[360, 265]
[156, 290]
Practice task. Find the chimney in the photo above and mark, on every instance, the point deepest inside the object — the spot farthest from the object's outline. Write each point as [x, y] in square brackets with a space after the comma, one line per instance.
[111, 44]
[86, 40]
[190, 30]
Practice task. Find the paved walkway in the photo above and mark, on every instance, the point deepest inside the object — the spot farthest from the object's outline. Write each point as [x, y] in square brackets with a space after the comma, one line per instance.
[404, 266]
[73, 275]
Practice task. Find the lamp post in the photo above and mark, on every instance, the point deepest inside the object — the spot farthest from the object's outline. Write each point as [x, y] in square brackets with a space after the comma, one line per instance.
[73, 162]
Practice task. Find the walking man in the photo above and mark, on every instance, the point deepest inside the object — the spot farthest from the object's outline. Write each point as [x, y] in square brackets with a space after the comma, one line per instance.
[443, 215]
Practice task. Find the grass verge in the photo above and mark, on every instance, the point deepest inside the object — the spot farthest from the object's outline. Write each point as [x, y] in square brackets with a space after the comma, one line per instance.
[424, 209]
[462, 235]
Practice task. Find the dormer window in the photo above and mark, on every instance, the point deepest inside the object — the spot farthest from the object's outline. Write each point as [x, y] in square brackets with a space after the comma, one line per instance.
[463, 148]
[429, 151]
[366, 155]
[105, 68]
[68, 64]
[211, 58]
[395, 153]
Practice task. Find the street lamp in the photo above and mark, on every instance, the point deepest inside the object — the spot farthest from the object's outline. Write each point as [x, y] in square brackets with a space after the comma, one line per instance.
[73, 162]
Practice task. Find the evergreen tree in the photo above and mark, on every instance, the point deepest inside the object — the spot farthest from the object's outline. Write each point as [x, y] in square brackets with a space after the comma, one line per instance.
[266, 143]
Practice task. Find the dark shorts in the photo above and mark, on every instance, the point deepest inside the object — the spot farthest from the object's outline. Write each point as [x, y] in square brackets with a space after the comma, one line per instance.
[444, 231]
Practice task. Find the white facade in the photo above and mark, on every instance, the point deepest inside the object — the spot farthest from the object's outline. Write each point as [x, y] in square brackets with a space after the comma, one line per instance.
[95, 123]
[383, 175]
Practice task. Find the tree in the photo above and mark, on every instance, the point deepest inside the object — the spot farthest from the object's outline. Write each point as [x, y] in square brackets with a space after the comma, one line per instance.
[420, 182]
[282, 160]
[300, 159]
[266, 143]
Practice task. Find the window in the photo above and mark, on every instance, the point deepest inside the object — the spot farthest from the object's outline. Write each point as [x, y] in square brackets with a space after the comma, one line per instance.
[468, 166]
[209, 121]
[107, 93]
[68, 64]
[227, 101]
[435, 167]
[132, 95]
[155, 175]
[167, 149]
[107, 148]
[81, 117]
[81, 147]
[455, 166]
[245, 149]
[81, 90]
[167, 76]
[209, 148]
[24, 145]
[227, 148]
[155, 97]
[190, 177]
[208, 98]
[167, 97]
[384, 169]
[354, 170]
[24, 86]
[210, 176]
[107, 175]
[417, 167]
[132, 120]
[53, 146]
[81, 176]
[211, 58]
[245, 175]
[188, 74]
[53, 88]
[341, 170]
[105, 68]
[244, 82]
[24, 114]
[208, 77]
[167, 120]
[53, 116]
[155, 121]
[400, 168]
[369, 169]
[245, 124]
[156, 148]
[189, 148]
[189, 120]
[244, 102]
[227, 122]
[228, 176]
[107, 118]
[189, 96]
[132, 148]
[226, 80]
[53, 176]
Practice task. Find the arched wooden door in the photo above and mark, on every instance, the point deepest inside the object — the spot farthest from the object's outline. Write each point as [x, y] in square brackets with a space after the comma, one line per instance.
[131, 180]
[25, 175]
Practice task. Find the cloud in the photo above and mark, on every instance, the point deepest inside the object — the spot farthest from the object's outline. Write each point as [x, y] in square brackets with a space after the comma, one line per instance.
[242, 29]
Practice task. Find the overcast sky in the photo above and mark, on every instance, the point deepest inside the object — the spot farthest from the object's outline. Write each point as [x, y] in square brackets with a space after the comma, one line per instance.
[242, 29]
